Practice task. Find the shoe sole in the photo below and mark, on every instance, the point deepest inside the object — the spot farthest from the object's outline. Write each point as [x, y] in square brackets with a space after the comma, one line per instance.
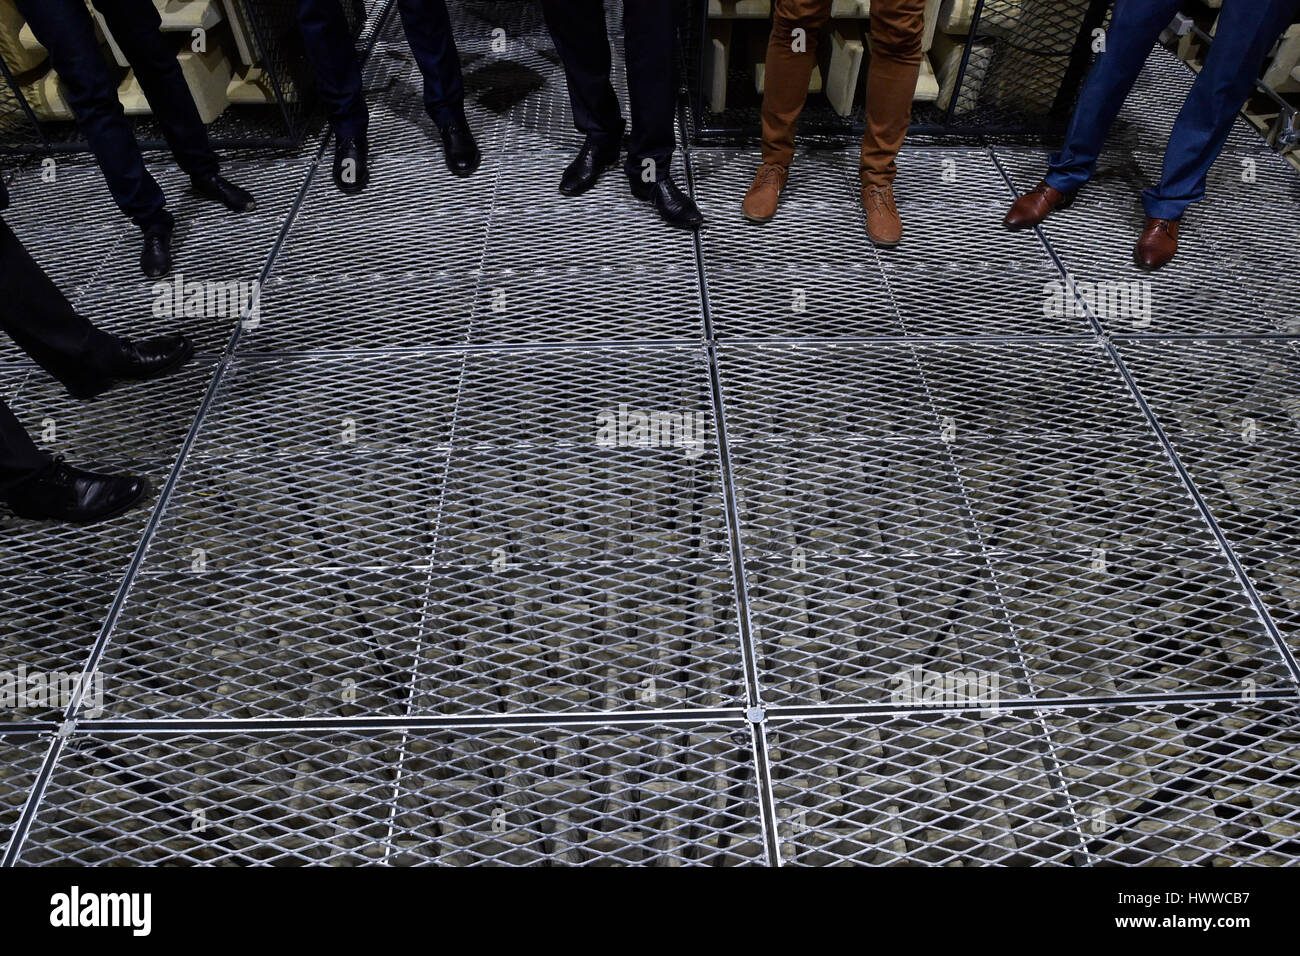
[756, 220]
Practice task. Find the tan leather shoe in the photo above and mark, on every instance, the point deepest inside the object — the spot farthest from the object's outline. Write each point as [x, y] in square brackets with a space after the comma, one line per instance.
[764, 192]
[1159, 243]
[884, 227]
[1035, 206]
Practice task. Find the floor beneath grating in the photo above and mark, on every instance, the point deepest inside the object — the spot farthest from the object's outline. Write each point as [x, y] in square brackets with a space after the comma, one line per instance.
[525, 530]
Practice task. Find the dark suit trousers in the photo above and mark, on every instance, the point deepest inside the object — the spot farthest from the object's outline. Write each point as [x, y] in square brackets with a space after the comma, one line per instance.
[67, 30]
[330, 50]
[582, 41]
[39, 319]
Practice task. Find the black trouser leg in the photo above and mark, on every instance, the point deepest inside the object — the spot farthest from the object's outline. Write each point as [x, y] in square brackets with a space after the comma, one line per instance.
[333, 57]
[19, 456]
[67, 30]
[648, 40]
[578, 29]
[135, 25]
[35, 314]
[428, 30]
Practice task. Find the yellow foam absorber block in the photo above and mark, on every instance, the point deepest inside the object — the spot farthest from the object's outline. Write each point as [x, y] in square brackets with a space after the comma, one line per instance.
[847, 52]
[1285, 60]
[46, 98]
[739, 9]
[947, 56]
[927, 85]
[207, 75]
[19, 58]
[186, 16]
[27, 39]
[245, 39]
[250, 85]
[718, 54]
[931, 22]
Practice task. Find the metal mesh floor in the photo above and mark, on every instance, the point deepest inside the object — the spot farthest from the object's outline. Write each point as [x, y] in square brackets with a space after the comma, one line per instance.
[525, 530]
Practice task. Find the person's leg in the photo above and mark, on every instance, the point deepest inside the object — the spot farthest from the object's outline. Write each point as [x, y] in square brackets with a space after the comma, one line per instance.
[35, 314]
[333, 57]
[66, 29]
[428, 31]
[20, 459]
[791, 56]
[648, 41]
[1134, 29]
[135, 25]
[897, 27]
[581, 40]
[1246, 32]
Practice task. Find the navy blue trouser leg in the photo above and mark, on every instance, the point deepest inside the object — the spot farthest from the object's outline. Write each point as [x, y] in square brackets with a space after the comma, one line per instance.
[330, 50]
[578, 29]
[582, 41]
[1134, 29]
[135, 25]
[66, 29]
[428, 31]
[1247, 30]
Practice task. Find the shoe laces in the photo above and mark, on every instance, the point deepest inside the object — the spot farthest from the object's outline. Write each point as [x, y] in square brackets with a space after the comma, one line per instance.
[879, 197]
[57, 472]
[1163, 225]
[768, 174]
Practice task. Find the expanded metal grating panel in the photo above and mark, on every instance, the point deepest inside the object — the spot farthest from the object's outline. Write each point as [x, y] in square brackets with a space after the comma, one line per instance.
[1168, 786]
[665, 795]
[482, 542]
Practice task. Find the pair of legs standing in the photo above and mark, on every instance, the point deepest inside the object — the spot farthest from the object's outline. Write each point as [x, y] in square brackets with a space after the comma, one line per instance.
[897, 28]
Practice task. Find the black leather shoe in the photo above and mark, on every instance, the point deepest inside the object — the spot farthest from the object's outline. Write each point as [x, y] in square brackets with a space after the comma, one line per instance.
[594, 158]
[460, 151]
[674, 206]
[63, 493]
[221, 190]
[138, 362]
[351, 164]
[156, 257]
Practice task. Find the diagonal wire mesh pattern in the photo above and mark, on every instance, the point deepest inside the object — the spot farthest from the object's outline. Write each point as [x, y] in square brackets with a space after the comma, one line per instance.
[668, 795]
[521, 529]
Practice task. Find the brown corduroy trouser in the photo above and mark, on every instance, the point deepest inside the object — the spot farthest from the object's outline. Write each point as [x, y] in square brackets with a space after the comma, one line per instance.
[896, 32]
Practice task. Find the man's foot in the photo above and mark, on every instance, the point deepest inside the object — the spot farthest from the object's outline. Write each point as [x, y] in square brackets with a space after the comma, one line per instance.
[884, 227]
[594, 158]
[156, 256]
[674, 206]
[351, 164]
[1035, 206]
[137, 361]
[223, 191]
[1158, 244]
[60, 492]
[764, 192]
[460, 152]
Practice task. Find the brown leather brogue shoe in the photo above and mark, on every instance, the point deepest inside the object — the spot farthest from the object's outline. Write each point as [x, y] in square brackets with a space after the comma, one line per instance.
[764, 192]
[884, 227]
[1159, 243]
[1035, 206]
